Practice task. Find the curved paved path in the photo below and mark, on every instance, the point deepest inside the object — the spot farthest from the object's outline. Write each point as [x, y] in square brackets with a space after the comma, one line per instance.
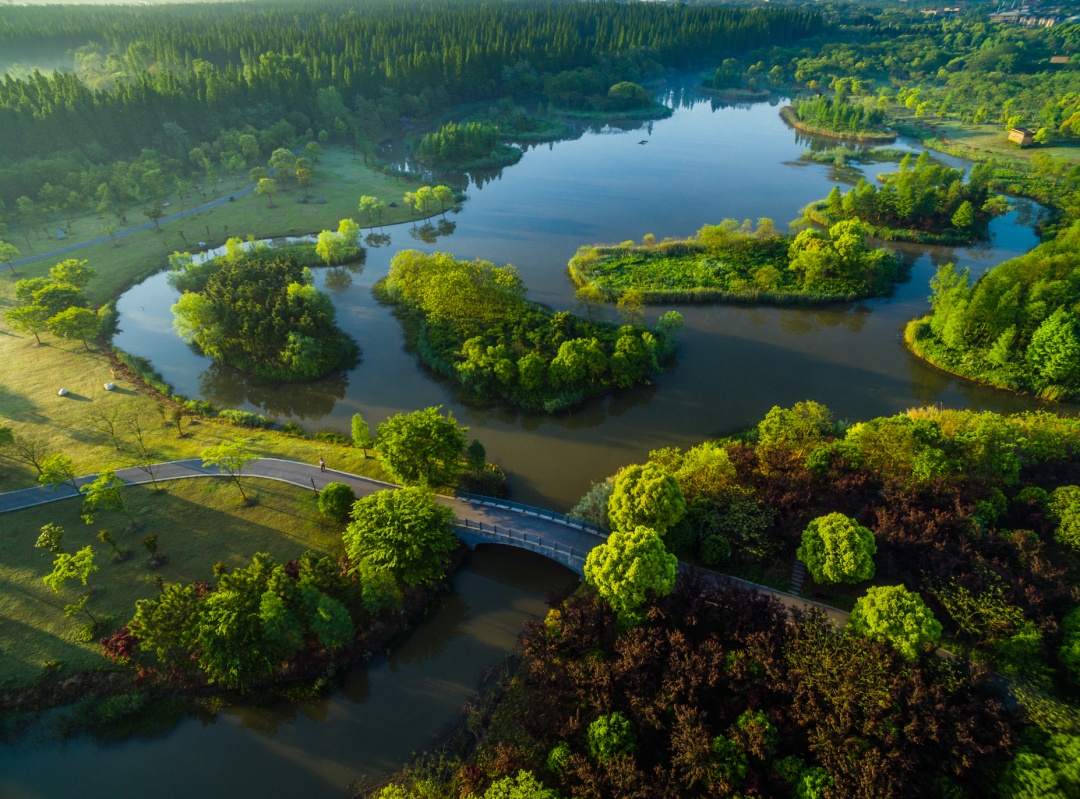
[477, 521]
[29, 259]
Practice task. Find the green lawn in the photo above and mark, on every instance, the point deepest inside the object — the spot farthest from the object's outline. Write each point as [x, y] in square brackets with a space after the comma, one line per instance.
[198, 523]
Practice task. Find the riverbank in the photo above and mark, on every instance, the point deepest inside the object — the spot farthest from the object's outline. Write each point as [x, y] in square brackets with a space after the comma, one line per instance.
[787, 113]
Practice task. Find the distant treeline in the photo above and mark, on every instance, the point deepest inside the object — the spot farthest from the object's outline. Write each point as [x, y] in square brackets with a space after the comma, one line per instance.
[205, 67]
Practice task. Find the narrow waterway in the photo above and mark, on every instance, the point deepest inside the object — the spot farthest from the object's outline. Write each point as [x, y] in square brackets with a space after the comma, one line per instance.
[381, 716]
[669, 177]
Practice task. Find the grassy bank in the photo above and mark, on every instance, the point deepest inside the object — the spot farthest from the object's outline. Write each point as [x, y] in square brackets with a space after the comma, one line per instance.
[198, 523]
[33, 374]
[789, 116]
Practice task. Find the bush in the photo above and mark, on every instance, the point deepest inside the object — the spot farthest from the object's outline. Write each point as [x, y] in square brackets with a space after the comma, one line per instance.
[293, 429]
[245, 418]
[336, 500]
[330, 437]
[611, 735]
[893, 615]
[837, 550]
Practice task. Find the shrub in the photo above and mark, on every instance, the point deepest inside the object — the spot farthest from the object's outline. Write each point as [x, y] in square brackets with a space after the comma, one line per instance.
[245, 418]
[330, 437]
[611, 735]
[336, 500]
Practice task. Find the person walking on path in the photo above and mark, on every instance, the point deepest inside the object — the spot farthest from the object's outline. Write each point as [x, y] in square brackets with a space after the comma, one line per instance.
[322, 464]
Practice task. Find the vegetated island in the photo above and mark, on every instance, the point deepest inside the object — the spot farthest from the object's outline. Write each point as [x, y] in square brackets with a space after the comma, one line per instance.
[730, 262]
[257, 310]
[936, 527]
[474, 145]
[1015, 328]
[927, 203]
[835, 117]
[517, 125]
[469, 322]
[580, 96]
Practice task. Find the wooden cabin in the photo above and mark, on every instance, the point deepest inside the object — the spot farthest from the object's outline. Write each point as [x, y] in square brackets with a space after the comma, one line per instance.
[1025, 137]
[1059, 59]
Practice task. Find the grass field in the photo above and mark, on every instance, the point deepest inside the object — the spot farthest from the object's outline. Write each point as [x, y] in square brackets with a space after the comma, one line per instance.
[33, 374]
[198, 523]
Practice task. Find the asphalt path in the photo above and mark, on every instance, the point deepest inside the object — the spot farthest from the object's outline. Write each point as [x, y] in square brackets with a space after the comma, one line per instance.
[510, 526]
[133, 230]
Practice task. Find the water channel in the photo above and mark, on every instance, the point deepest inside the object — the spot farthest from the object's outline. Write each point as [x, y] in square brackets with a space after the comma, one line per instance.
[668, 178]
[382, 715]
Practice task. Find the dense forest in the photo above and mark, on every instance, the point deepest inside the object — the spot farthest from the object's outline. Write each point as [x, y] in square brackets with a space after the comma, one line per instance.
[951, 528]
[1016, 327]
[922, 202]
[172, 79]
[467, 146]
[257, 311]
[738, 263]
[837, 116]
[469, 321]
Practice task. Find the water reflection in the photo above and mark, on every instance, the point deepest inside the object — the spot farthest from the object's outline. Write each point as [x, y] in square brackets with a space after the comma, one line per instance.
[226, 387]
[429, 233]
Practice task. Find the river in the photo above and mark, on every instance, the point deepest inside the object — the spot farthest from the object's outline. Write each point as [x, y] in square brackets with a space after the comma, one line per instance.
[383, 713]
[668, 177]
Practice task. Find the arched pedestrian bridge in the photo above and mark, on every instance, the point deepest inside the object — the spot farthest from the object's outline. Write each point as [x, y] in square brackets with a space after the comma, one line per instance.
[479, 520]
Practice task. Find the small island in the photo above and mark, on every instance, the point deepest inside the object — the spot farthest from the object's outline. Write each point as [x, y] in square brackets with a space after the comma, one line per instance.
[257, 310]
[927, 203]
[1015, 328]
[730, 262]
[474, 145]
[835, 117]
[470, 322]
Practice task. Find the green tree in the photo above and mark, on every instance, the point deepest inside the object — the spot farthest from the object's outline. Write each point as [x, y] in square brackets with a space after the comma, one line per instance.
[51, 538]
[444, 195]
[57, 470]
[523, 786]
[32, 319]
[361, 433]
[893, 615]
[71, 567]
[836, 549]
[611, 735]
[1054, 351]
[421, 447]
[154, 212]
[628, 568]
[80, 324]
[230, 457]
[476, 457]
[283, 161]
[106, 492]
[368, 205]
[964, 217]
[266, 188]
[73, 272]
[646, 495]
[404, 531]
[1065, 509]
[168, 626]
[8, 254]
[336, 500]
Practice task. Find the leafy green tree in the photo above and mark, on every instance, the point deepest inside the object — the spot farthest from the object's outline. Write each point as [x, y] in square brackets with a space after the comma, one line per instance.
[1054, 351]
[404, 531]
[793, 431]
[611, 735]
[1070, 648]
[646, 495]
[361, 433]
[326, 617]
[168, 626]
[593, 507]
[8, 254]
[421, 447]
[1049, 773]
[629, 568]
[444, 195]
[73, 272]
[964, 217]
[51, 538]
[32, 319]
[283, 161]
[893, 615]
[836, 549]
[81, 324]
[523, 786]
[106, 492]
[230, 457]
[476, 457]
[154, 212]
[266, 187]
[336, 500]
[78, 566]
[1065, 509]
[379, 589]
[57, 470]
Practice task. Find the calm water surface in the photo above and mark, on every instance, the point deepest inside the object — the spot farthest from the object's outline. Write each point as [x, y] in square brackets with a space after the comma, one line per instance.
[381, 716]
[668, 178]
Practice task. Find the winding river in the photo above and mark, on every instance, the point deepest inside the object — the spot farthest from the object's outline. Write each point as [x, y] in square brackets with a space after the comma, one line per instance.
[669, 177]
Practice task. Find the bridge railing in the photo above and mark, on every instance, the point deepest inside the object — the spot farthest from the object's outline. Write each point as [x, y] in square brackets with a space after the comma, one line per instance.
[531, 510]
[530, 541]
